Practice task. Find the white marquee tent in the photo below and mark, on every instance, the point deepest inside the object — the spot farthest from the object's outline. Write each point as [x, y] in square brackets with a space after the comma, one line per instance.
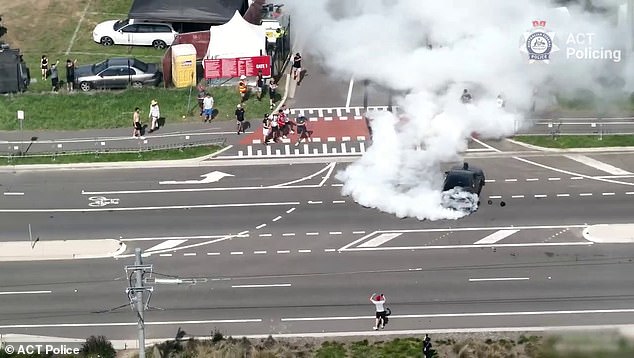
[236, 38]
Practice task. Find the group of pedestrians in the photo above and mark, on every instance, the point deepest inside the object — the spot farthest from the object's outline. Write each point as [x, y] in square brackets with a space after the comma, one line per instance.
[154, 115]
[53, 73]
[280, 126]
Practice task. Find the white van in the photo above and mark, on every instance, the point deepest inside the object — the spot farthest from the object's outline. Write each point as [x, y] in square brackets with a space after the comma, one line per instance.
[134, 33]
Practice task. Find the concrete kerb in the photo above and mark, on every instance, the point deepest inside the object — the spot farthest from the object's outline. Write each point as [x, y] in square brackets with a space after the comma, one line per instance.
[610, 233]
[60, 250]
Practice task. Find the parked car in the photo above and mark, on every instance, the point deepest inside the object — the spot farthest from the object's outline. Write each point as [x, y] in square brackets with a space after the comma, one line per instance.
[119, 72]
[135, 33]
[461, 188]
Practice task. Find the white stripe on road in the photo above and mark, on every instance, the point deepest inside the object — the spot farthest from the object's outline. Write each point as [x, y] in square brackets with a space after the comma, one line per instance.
[147, 208]
[349, 98]
[605, 167]
[123, 324]
[276, 218]
[13, 194]
[495, 237]
[499, 279]
[380, 240]
[262, 286]
[475, 314]
[24, 292]
[445, 247]
[169, 244]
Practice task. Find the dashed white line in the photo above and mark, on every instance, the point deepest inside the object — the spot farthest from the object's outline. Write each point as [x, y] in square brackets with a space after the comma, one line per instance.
[553, 179]
[312, 233]
[276, 218]
[335, 233]
[563, 195]
[585, 194]
[260, 226]
[330, 250]
[213, 254]
[262, 286]
[290, 210]
[499, 279]
[629, 193]
[540, 195]
[338, 201]
[237, 253]
[13, 194]
[289, 234]
[304, 251]
[608, 194]
[266, 235]
[165, 255]
[517, 196]
[489, 181]
[532, 179]
[337, 185]
[510, 180]
[576, 178]
[495, 197]
[283, 251]
[315, 202]
[189, 254]
[260, 252]
[358, 232]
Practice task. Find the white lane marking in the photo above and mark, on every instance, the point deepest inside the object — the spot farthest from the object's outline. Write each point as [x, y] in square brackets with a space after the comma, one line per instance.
[165, 255]
[124, 324]
[276, 218]
[338, 201]
[290, 210]
[315, 202]
[263, 286]
[168, 244]
[6, 293]
[189, 254]
[81, 20]
[147, 208]
[337, 185]
[576, 178]
[266, 235]
[607, 194]
[446, 247]
[283, 251]
[213, 254]
[486, 145]
[585, 194]
[517, 196]
[358, 232]
[532, 179]
[563, 195]
[228, 237]
[554, 179]
[540, 195]
[629, 193]
[304, 251]
[380, 240]
[572, 173]
[489, 180]
[465, 314]
[312, 233]
[495, 196]
[496, 236]
[349, 98]
[499, 279]
[289, 234]
[179, 237]
[13, 194]
[327, 168]
[330, 250]
[510, 180]
[260, 226]
[260, 252]
[335, 233]
[596, 164]
[237, 253]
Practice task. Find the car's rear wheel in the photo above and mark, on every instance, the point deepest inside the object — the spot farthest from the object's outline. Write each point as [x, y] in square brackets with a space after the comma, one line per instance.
[159, 44]
[85, 86]
[107, 41]
[137, 84]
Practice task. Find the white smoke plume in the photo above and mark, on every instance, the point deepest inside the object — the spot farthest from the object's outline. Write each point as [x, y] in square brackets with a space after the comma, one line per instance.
[474, 45]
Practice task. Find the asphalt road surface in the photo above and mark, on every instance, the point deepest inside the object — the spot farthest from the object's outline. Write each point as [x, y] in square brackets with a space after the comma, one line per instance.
[278, 249]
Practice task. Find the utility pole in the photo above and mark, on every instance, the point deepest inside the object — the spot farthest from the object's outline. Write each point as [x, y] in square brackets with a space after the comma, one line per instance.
[136, 294]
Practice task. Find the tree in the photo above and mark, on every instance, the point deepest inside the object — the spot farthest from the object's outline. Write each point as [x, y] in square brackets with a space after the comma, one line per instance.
[98, 347]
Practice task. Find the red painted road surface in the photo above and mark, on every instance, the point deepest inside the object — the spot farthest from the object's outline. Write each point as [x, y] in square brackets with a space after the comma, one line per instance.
[324, 129]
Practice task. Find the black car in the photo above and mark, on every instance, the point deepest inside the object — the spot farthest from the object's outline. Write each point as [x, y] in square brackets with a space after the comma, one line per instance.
[470, 179]
[119, 72]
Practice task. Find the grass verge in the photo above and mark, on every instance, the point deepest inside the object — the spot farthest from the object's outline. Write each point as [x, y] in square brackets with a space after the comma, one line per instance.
[578, 141]
[168, 154]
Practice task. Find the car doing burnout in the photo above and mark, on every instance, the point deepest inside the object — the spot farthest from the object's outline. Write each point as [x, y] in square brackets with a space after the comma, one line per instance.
[461, 187]
[131, 32]
[117, 73]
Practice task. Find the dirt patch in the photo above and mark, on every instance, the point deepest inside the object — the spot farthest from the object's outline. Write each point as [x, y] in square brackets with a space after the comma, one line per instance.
[18, 16]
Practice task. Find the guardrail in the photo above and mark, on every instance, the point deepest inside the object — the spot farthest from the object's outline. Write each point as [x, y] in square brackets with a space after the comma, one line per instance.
[599, 127]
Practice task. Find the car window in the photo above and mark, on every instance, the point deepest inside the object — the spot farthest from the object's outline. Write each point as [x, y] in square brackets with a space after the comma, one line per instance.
[161, 28]
[453, 181]
[110, 72]
[131, 28]
[98, 67]
[145, 28]
[119, 24]
[140, 65]
[126, 71]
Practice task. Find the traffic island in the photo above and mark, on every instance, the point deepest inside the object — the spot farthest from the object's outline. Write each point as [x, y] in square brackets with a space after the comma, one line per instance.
[610, 233]
[60, 250]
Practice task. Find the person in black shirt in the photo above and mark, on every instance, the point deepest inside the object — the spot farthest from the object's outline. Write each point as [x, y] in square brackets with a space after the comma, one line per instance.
[297, 67]
[260, 85]
[240, 118]
[70, 74]
[466, 96]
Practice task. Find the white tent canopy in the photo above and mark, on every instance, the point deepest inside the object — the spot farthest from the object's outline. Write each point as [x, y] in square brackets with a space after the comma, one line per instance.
[236, 38]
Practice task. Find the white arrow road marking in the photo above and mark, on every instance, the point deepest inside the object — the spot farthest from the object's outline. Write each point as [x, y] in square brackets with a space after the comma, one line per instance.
[496, 236]
[206, 179]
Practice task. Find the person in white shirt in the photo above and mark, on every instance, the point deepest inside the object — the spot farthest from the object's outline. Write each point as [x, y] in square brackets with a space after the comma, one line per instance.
[381, 314]
[208, 107]
[155, 114]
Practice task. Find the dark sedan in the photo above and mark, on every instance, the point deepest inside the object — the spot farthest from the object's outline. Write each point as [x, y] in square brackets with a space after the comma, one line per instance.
[115, 73]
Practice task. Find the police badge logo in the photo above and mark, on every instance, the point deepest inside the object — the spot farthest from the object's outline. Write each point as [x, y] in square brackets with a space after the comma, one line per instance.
[538, 43]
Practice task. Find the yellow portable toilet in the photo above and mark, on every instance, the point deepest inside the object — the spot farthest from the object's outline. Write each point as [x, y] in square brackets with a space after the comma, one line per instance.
[183, 65]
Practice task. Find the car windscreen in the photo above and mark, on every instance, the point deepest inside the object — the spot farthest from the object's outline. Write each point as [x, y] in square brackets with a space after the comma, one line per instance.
[454, 180]
[119, 24]
[98, 67]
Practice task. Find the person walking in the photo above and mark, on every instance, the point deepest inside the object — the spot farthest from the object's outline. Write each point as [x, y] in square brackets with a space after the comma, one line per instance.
[466, 96]
[259, 83]
[381, 314]
[201, 98]
[136, 123]
[302, 131]
[44, 67]
[272, 92]
[208, 107]
[240, 118]
[155, 114]
[297, 67]
[70, 74]
[242, 88]
[266, 128]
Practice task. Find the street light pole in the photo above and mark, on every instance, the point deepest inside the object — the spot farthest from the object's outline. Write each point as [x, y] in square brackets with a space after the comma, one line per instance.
[139, 302]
